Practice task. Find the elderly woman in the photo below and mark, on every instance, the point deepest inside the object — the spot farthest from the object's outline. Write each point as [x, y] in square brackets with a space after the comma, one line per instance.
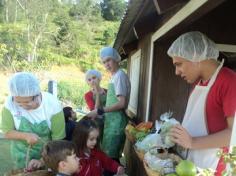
[31, 118]
[117, 100]
[208, 120]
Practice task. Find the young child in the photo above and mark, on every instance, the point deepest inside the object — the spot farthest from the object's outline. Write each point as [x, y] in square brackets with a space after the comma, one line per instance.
[96, 96]
[60, 157]
[70, 118]
[92, 160]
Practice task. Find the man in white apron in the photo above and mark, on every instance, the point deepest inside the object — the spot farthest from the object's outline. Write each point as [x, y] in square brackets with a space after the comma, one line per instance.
[117, 100]
[208, 120]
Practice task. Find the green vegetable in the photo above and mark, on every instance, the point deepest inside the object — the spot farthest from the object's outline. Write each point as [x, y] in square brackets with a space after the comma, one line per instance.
[186, 168]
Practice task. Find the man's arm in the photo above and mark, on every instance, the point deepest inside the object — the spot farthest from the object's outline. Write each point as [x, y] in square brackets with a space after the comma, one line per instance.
[117, 106]
[180, 136]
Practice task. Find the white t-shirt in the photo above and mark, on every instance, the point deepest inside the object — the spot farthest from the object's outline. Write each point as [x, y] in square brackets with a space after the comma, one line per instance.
[48, 107]
[121, 84]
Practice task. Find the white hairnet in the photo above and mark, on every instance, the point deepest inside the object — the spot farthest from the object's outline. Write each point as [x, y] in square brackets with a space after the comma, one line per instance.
[93, 73]
[109, 52]
[193, 46]
[24, 84]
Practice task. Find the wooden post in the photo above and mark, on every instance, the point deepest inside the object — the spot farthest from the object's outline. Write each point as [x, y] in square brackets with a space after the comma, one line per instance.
[52, 87]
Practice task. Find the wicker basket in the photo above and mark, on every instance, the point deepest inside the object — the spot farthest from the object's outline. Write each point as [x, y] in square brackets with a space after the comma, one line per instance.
[130, 137]
[140, 153]
[21, 172]
[151, 172]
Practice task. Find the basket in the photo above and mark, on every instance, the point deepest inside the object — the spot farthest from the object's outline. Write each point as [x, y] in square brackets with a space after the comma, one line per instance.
[151, 172]
[129, 136]
[21, 172]
[140, 153]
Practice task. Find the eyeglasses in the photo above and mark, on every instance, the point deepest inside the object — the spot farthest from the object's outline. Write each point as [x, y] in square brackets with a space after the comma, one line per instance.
[92, 78]
[25, 101]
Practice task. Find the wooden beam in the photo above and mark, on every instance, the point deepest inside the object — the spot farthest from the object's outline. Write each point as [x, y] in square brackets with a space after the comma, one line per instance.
[183, 13]
[226, 48]
[146, 25]
[127, 48]
[190, 12]
[164, 5]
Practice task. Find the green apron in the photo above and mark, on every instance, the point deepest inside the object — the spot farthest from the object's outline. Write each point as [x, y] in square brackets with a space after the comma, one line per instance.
[19, 147]
[100, 121]
[114, 125]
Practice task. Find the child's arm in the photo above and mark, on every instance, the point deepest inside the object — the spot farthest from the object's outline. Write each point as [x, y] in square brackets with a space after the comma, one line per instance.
[107, 163]
[120, 170]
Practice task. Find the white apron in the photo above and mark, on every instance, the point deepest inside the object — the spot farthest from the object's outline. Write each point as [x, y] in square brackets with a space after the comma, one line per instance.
[196, 124]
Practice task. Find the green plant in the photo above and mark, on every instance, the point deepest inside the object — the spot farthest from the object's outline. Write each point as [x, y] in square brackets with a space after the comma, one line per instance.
[72, 92]
[229, 158]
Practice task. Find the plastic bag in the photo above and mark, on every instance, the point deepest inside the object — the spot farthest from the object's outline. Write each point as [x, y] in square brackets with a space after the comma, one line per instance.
[150, 141]
[168, 122]
[162, 166]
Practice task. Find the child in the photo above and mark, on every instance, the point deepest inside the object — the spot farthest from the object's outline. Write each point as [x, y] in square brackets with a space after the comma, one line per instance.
[92, 160]
[60, 157]
[96, 96]
[70, 118]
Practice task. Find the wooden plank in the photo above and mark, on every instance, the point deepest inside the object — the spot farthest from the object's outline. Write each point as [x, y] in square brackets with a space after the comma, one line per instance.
[127, 48]
[164, 5]
[226, 48]
[169, 92]
[183, 13]
[146, 25]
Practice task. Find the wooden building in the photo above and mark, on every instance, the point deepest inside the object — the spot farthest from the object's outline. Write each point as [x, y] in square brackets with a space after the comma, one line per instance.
[147, 30]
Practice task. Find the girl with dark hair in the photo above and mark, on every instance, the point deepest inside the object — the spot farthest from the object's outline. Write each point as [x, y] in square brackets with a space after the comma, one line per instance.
[70, 117]
[92, 160]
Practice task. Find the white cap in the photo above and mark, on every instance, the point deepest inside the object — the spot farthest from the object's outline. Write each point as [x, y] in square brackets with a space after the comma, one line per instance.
[193, 46]
[24, 84]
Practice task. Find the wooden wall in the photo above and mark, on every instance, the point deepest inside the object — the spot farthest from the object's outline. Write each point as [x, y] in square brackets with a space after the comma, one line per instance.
[169, 92]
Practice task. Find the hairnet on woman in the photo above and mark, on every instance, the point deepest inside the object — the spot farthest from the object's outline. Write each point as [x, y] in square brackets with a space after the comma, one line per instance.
[31, 118]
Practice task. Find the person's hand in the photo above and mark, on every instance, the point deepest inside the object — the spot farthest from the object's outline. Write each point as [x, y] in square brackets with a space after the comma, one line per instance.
[35, 164]
[180, 136]
[96, 88]
[92, 114]
[120, 170]
[31, 138]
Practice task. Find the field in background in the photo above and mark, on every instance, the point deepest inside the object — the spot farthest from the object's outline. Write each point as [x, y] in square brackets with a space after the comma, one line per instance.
[71, 84]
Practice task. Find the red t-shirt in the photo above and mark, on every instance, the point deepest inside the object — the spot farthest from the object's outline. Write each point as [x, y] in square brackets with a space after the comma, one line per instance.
[221, 103]
[221, 100]
[95, 164]
[89, 99]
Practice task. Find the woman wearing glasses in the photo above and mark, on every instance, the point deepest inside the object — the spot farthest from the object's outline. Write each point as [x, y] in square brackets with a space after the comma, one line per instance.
[31, 118]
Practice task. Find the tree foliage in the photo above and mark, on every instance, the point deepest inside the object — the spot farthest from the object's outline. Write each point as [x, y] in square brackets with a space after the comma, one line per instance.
[113, 10]
[35, 34]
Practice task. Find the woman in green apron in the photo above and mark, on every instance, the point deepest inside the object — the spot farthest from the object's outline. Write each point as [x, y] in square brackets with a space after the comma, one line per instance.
[117, 100]
[30, 118]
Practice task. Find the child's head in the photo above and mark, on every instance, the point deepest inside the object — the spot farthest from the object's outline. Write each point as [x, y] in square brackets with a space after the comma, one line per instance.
[69, 114]
[86, 135]
[60, 156]
[93, 77]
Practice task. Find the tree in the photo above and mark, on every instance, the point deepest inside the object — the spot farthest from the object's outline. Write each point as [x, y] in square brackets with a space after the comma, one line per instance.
[113, 10]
